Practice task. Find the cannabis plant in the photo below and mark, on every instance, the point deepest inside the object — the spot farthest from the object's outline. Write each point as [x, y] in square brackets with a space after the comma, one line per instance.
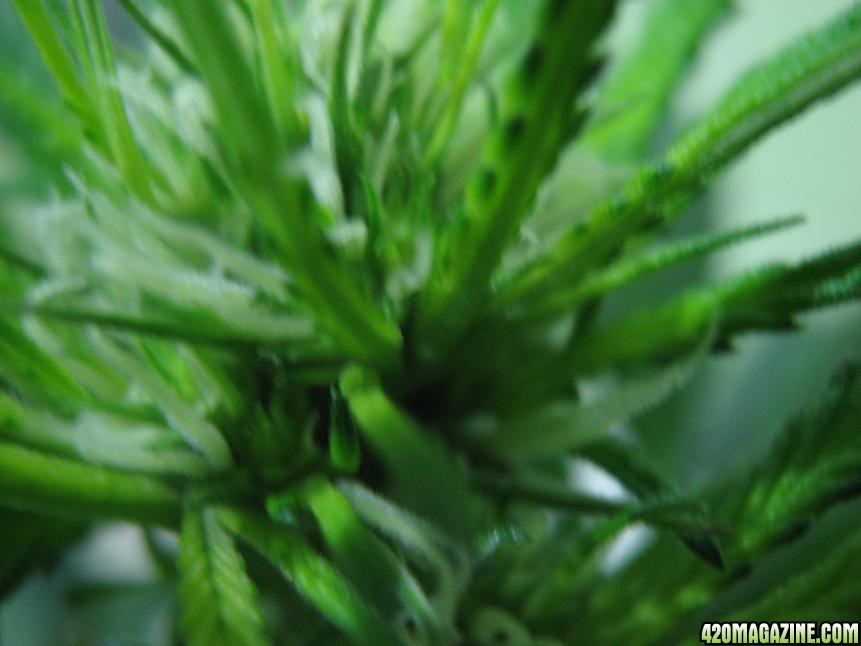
[314, 294]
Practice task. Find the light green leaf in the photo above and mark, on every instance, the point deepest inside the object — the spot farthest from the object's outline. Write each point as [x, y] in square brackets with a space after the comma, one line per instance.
[767, 299]
[371, 565]
[315, 579]
[220, 605]
[197, 431]
[630, 269]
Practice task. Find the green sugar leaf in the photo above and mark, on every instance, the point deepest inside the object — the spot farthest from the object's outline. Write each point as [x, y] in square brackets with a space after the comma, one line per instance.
[766, 299]
[219, 602]
[373, 568]
[314, 578]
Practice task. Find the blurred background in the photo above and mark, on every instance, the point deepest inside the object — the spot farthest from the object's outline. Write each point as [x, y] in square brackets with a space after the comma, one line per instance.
[730, 411]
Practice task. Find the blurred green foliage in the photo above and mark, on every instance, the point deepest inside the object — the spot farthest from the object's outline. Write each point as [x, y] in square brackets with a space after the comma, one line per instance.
[332, 301]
